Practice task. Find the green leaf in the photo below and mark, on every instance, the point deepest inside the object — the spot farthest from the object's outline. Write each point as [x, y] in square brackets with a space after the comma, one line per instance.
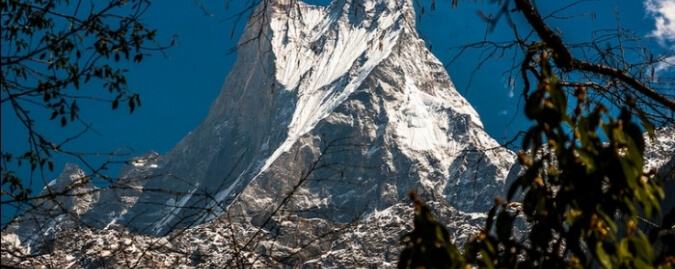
[608, 221]
[530, 137]
[645, 122]
[643, 248]
[487, 259]
[587, 159]
[628, 203]
[533, 105]
[138, 58]
[602, 256]
[514, 188]
[632, 170]
[559, 99]
[73, 110]
[490, 218]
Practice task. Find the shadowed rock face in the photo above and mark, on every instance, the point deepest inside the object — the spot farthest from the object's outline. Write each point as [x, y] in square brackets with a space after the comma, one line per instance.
[330, 115]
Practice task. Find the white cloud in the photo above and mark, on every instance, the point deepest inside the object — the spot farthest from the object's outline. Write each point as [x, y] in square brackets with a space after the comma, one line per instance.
[664, 17]
[666, 64]
[663, 12]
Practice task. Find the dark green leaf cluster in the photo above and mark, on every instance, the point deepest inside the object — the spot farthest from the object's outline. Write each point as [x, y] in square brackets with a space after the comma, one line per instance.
[429, 244]
[581, 197]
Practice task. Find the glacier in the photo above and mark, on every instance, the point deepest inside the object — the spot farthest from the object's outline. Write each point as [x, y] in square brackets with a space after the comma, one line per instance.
[330, 116]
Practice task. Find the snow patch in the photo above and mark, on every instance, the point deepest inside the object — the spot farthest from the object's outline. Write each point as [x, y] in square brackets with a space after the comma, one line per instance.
[422, 119]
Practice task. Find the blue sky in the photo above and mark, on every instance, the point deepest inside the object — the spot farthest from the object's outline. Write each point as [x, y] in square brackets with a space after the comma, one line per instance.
[177, 88]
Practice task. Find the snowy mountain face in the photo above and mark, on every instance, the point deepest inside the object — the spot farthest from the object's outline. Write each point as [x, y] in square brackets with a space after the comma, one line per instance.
[330, 116]
[349, 86]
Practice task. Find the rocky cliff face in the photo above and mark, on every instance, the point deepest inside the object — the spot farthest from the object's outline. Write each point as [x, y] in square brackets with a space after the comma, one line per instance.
[329, 118]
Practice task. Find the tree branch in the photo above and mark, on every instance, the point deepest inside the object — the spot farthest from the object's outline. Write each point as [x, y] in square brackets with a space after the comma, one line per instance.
[563, 58]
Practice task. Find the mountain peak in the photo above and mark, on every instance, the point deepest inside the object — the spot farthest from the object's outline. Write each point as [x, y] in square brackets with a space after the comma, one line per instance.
[330, 115]
[306, 76]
